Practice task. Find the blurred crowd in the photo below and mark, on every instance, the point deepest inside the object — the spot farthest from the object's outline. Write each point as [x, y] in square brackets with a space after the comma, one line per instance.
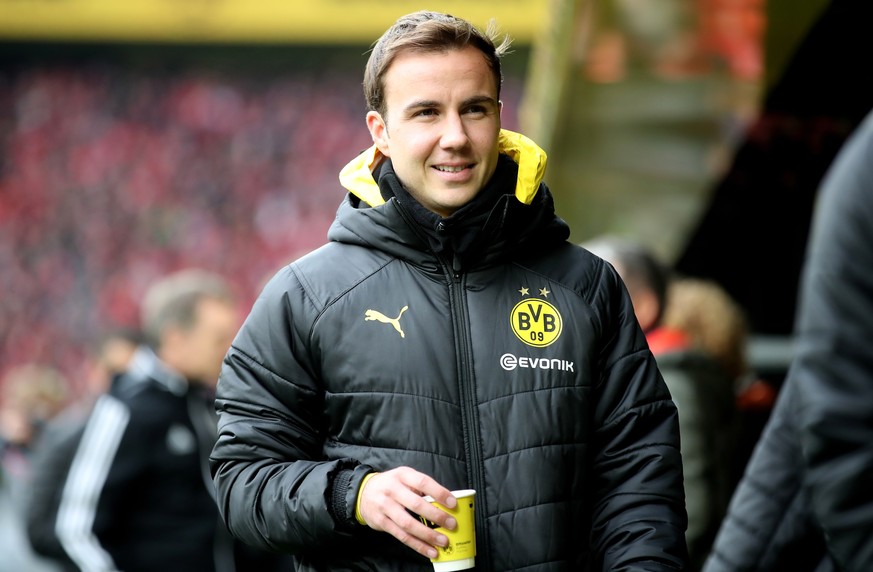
[110, 177]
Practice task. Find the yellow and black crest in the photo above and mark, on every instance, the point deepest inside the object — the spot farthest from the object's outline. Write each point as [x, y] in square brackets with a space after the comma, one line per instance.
[535, 321]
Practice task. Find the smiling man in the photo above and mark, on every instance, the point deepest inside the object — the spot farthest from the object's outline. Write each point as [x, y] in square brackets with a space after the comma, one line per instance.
[448, 337]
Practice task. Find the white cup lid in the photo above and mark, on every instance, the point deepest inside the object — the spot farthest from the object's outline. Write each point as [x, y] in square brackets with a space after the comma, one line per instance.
[452, 565]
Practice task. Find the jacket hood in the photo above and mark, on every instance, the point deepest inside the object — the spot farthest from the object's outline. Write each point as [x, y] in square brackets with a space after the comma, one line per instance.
[357, 175]
[522, 219]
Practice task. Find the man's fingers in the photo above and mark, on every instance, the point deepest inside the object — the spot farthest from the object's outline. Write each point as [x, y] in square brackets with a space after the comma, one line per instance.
[432, 513]
[411, 531]
[417, 544]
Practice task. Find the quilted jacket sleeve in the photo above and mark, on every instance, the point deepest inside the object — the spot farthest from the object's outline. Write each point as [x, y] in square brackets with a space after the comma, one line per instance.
[273, 486]
[769, 525]
[639, 511]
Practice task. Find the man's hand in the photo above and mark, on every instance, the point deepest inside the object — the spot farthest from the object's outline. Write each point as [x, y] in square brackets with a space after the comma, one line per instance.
[387, 498]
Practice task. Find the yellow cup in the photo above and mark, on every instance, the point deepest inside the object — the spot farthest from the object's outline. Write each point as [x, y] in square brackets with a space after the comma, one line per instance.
[460, 553]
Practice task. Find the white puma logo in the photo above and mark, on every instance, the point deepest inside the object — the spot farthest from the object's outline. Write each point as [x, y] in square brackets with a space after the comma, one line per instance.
[377, 315]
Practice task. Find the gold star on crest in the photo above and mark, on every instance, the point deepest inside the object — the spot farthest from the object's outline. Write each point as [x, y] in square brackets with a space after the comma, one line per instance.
[523, 291]
[544, 292]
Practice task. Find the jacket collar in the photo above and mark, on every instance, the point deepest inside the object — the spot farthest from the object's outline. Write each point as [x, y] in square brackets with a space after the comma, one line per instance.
[357, 175]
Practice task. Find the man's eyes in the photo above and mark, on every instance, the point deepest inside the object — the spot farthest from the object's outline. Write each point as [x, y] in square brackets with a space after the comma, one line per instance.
[431, 112]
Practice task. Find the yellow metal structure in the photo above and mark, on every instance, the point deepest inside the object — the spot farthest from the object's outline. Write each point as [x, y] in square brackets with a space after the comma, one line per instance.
[261, 21]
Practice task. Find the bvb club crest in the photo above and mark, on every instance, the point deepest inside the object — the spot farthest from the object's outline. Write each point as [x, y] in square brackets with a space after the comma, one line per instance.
[536, 322]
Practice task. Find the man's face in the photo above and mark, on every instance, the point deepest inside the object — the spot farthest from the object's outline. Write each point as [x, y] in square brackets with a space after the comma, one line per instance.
[197, 352]
[441, 126]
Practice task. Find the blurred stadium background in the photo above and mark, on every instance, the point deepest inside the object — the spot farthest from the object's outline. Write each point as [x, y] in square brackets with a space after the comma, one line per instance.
[142, 136]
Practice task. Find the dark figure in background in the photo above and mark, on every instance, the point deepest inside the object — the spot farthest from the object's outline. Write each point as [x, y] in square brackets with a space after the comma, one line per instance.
[138, 496]
[700, 376]
[397, 361]
[833, 368]
[813, 466]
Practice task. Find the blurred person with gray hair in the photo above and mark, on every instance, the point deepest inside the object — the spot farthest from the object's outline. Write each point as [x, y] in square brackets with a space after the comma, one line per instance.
[137, 496]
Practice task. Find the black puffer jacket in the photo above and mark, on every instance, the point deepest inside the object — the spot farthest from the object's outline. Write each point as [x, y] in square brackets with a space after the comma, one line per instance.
[523, 375]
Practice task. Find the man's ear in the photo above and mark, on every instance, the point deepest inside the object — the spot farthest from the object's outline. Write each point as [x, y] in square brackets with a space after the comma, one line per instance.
[379, 132]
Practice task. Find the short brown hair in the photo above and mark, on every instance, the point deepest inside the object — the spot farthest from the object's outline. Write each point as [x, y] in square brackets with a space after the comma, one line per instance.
[426, 31]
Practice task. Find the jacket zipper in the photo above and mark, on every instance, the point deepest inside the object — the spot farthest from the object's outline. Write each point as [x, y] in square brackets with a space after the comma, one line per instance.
[467, 391]
[454, 275]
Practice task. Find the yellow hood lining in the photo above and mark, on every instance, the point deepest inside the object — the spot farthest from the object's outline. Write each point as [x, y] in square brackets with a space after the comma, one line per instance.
[357, 175]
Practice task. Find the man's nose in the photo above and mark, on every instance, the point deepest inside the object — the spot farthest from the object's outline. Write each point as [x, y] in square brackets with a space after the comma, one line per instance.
[454, 133]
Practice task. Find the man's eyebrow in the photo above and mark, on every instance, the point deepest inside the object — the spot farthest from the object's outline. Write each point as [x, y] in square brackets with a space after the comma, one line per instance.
[480, 99]
[421, 103]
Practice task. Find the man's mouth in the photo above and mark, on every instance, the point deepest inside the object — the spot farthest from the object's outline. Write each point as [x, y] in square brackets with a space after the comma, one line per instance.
[451, 168]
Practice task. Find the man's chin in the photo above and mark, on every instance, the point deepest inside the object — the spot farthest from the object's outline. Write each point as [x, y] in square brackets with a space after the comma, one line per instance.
[457, 201]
